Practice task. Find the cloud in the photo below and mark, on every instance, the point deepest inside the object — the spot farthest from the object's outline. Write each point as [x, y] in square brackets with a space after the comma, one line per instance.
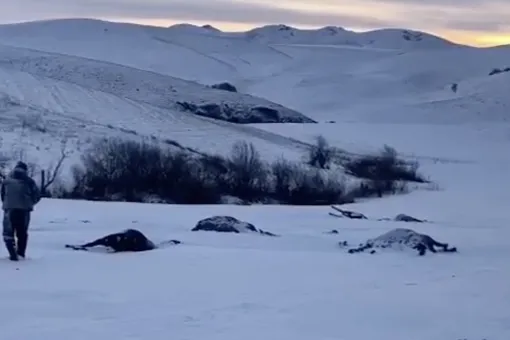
[473, 19]
[479, 26]
[202, 10]
[467, 15]
[456, 3]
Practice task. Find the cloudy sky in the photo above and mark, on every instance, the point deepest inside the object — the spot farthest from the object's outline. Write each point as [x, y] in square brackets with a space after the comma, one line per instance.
[478, 22]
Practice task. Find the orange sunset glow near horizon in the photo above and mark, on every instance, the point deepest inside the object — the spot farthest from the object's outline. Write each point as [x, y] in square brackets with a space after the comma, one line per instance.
[480, 23]
[479, 39]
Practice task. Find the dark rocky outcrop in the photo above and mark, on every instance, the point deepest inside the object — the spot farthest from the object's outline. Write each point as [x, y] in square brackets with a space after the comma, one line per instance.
[225, 87]
[241, 114]
[228, 224]
[412, 36]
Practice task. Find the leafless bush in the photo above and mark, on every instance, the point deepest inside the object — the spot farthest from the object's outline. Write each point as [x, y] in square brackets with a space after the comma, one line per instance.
[320, 154]
[383, 173]
[131, 170]
[34, 122]
[299, 185]
[126, 170]
[247, 174]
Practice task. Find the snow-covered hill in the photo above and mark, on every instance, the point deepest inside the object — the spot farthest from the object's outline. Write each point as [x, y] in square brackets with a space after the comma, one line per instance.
[93, 78]
[370, 75]
[185, 51]
[329, 35]
[152, 88]
[383, 38]
[367, 84]
[48, 98]
[208, 54]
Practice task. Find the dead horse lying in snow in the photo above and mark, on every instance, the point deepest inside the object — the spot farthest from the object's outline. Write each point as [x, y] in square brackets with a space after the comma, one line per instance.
[129, 240]
[405, 237]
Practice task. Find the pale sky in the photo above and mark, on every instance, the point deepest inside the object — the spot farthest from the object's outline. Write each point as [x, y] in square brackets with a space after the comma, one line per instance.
[476, 22]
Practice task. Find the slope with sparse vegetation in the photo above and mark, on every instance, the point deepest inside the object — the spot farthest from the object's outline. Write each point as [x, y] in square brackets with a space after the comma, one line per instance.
[126, 170]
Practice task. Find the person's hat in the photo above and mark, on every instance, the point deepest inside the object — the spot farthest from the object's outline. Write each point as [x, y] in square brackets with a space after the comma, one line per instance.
[21, 165]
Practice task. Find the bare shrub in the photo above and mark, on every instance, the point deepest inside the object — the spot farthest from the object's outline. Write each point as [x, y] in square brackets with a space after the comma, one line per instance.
[51, 174]
[34, 122]
[384, 173]
[299, 185]
[117, 169]
[247, 174]
[130, 171]
[320, 154]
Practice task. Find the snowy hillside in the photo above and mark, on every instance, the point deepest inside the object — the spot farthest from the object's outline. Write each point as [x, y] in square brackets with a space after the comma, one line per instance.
[300, 285]
[151, 88]
[191, 54]
[208, 55]
[308, 73]
[53, 97]
[384, 38]
[386, 86]
[81, 76]
[90, 75]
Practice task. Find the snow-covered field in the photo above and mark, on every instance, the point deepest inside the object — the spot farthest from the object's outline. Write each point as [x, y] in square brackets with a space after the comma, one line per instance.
[378, 88]
[223, 286]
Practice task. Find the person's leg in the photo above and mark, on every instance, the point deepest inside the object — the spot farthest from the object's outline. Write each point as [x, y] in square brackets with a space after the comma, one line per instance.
[8, 236]
[21, 232]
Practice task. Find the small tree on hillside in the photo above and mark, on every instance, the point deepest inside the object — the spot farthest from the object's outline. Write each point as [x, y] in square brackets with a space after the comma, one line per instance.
[320, 154]
[49, 175]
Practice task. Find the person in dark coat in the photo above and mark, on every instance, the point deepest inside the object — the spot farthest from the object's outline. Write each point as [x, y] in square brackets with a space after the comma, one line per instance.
[19, 194]
[129, 240]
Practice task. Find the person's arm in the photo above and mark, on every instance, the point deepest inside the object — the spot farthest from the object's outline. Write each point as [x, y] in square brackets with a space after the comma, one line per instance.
[2, 191]
[36, 192]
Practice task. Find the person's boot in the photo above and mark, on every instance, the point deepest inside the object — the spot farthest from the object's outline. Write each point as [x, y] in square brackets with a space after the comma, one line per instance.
[22, 246]
[11, 248]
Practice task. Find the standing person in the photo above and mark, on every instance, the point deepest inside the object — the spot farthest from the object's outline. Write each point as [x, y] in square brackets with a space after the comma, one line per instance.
[19, 195]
